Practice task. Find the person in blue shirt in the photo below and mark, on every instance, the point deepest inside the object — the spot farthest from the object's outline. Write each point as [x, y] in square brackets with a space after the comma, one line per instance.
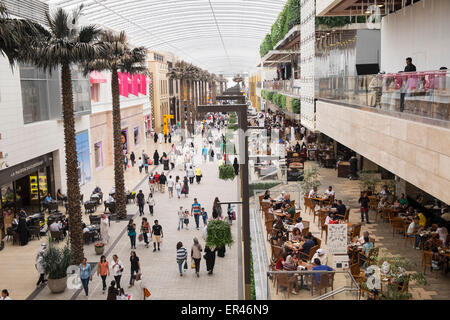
[196, 211]
[317, 266]
[48, 199]
[85, 275]
[306, 247]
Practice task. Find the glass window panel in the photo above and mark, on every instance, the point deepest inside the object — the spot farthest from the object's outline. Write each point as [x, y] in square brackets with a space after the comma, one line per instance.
[34, 100]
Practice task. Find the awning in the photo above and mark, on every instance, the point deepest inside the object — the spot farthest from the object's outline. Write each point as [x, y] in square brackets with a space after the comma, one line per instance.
[96, 77]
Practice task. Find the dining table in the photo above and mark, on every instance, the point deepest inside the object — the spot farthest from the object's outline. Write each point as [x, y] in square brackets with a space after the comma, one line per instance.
[294, 245]
[303, 266]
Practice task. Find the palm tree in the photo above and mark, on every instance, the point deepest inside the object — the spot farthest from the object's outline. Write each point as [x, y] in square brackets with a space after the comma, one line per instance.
[191, 74]
[213, 87]
[116, 56]
[68, 44]
[17, 36]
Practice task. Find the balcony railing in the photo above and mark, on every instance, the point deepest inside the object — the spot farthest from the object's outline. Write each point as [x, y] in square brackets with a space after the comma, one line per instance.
[424, 94]
[283, 86]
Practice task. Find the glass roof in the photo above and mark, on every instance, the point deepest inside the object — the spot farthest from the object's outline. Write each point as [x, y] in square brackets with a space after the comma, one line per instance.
[221, 36]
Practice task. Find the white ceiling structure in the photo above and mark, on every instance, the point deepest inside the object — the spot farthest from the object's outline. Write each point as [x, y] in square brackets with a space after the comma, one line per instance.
[221, 36]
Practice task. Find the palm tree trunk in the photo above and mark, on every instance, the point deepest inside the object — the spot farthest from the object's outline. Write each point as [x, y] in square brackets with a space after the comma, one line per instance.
[214, 92]
[119, 182]
[183, 122]
[73, 186]
[189, 110]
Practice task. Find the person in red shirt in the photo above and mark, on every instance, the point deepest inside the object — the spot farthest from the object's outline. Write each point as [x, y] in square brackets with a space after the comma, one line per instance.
[156, 177]
[280, 261]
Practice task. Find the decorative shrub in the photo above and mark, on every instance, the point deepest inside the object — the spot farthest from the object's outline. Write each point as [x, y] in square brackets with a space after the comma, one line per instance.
[295, 106]
[226, 172]
[219, 234]
[56, 261]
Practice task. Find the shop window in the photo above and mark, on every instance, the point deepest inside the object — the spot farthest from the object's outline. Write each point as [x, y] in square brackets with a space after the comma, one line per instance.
[136, 136]
[95, 92]
[98, 154]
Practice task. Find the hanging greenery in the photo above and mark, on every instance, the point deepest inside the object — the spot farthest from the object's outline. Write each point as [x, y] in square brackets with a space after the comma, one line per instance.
[218, 234]
[295, 106]
[338, 21]
[226, 172]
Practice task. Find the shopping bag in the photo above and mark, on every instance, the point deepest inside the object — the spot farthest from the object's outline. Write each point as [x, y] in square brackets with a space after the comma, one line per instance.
[185, 265]
[141, 237]
[234, 215]
[192, 264]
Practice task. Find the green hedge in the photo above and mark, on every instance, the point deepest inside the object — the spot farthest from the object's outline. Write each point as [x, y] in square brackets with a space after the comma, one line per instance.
[296, 106]
[338, 21]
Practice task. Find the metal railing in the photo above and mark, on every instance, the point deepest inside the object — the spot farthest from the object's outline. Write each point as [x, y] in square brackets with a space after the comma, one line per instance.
[346, 286]
[282, 86]
[424, 94]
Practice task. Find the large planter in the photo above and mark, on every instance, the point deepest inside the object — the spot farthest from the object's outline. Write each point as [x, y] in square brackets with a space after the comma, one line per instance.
[57, 285]
[99, 250]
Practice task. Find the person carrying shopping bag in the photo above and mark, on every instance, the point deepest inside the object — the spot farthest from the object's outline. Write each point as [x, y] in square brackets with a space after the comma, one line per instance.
[181, 257]
[196, 255]
[145, 229]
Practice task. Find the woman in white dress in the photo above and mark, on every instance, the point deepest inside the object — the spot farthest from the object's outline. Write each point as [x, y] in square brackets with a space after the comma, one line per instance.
[104, 228]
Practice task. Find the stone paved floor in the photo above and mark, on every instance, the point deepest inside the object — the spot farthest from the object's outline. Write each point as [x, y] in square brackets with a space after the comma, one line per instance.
[159, 268]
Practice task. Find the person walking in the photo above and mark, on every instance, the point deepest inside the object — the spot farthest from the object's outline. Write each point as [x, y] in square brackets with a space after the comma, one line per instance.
[211, 155]
[155, 137]
[104, 228]
[204, 153]
[190, 174]
[165, 161]
[23, 231]
[178, 186]
[132, 233]
[185, 189]
[196, 255]
[180, 218]
[156, 158]
[230, 213]
[140, 164]
[236, 166]
[132, 158]
[172, 159]
[217, 209]
[204, 217]
[103, 271]
[85, 275]
[170, 185]
[117, 268]
[145, 163]
[195, 210]
[135, 268]
[145, 229]
[364, 203]
[165, 138]
[151, 203]
[140, 202]
[162, 182]
[181, 257]
[113, 292]
[125, 162]
[198, 175]
[40, 264]
[157, 234]
[210, 257]
[186, 219]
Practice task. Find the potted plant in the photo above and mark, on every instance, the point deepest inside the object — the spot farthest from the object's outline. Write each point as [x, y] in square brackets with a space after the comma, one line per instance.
[218, 236]
[226, 172]
[368, 180]
[310, 179]
[56, 261]
[99, 248]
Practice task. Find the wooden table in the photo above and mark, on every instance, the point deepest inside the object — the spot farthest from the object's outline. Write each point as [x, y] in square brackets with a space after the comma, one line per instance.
[280, 213]
[294, 246]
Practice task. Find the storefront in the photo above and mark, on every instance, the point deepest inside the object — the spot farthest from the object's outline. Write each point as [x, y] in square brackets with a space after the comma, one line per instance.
[25, 185]
[83, 157]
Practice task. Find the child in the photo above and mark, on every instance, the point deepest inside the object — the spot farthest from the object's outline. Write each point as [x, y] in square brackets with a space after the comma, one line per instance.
[186, 219]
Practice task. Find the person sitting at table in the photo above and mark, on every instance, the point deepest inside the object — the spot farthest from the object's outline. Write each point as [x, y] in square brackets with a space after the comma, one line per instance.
[318, 266]
[290, 265]
[422, 219]
[290, 211]
[313, 193]
[361, 239]
[384, 191]
[299, 224]
[433, 242]
[413, 230]
[295, 235]
[419, 199]
[365, 250]
[340, 209]
[267, 197]
[409, 212]
[280, 261]
[298, 148]
[306, 247]
[443, 233]
[369, 191]
[321, 255]
[85, 228]
[397, 204]
[286, 200]
[329, 192]
[60, 196]
[48, 199]
[277, 240]
[110, 199]
[54, 226]
[381, 204]
[279, 224]
[403, 201]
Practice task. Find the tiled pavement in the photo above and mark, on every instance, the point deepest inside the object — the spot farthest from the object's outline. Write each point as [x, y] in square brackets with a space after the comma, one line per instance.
[159, 268]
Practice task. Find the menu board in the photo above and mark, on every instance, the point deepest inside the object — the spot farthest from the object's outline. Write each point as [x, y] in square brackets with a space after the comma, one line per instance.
[337, 238]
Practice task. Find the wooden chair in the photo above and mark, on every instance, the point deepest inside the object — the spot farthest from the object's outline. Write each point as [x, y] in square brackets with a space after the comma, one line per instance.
[94, 219]
[345, 216]
[87, 237]
[35, 232]
[269, 229]
[398, 225]
[323, 226]
[306, 203]
[308, 257]
[385, 213]
[356, 231]
[427, 257]
[260, 198]
[325, 281]
[355, 270]
[56, 235]
[292, 203]
[283, 280]
[319, 242]
[373, 203]
[276, 252]
[370, 259]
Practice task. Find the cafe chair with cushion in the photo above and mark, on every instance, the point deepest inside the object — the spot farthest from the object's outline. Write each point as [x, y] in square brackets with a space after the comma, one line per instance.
[355, 270]
[345, 216]
[305, 231]
[87, 237]
[94, 219]
[276, 252]
[398, 225]
[410, 237]
[10, 233]
[35, 232]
